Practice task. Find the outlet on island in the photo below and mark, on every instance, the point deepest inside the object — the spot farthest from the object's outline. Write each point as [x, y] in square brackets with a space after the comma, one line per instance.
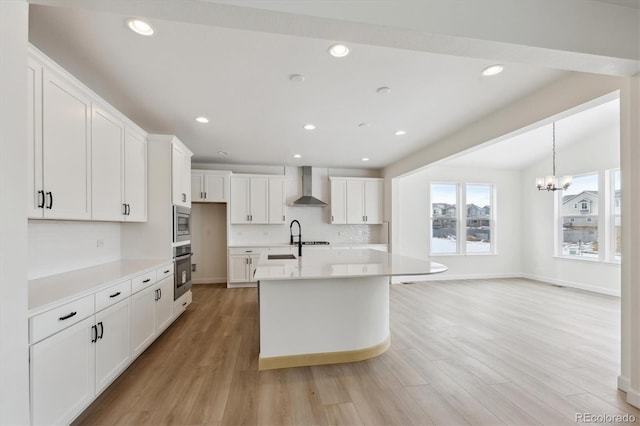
[100, 243]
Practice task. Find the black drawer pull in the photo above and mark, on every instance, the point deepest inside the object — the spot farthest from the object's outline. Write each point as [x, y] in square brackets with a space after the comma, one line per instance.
[72, 314]
[167, 271]
[184, 303]
[116, 294]
[40, 199]
[147, 280]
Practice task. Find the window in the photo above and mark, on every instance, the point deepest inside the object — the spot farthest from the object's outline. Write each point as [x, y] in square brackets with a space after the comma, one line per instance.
[615, 214]
[444, 227]
[451, 225]
[580, 227]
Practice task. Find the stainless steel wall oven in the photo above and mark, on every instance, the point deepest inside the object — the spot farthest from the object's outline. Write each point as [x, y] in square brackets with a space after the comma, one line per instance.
[182, 270]
[181, 224]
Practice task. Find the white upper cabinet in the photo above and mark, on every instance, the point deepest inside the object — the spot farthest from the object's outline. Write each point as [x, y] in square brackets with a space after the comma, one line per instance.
[276, 200]
[356, 201]
[210, 186]
[59, 170]
[135, 176]
[107, 185]
[181, 174]
[251, 201]
[338, 201]
[78, 151]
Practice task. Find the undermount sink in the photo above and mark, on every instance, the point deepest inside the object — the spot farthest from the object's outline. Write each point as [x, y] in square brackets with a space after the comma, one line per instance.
[281, 257]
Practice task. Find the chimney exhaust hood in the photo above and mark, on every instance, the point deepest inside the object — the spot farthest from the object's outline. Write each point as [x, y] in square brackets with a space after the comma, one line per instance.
[307, 200]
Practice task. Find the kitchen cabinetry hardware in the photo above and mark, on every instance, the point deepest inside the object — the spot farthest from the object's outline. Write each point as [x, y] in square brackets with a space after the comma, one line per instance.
[184, 303]
[115, 294]
[94, 334]
[160, 293]
[202, 195]
[101, 330]
[147, 280]
[167, 271]
[184, 197]
[72, 314]
[40, 199]
[50, 195]
[205, 195]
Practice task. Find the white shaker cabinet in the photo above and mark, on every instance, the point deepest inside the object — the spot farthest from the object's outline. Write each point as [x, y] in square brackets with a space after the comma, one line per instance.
[135, 176]
[210, 186]
[276, 200]
[113, 344]
[60, 146]
[242, 267]
[181, 175]
[63, 374]
[151, 312]
[249, 198]
[356, 201]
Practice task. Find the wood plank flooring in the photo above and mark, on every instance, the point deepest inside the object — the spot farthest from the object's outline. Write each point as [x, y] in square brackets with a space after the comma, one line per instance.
[482, 352]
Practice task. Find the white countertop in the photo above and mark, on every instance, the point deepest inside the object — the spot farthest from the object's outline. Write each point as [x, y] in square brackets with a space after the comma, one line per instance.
[57, 289]
[340, 264]
[262, 245]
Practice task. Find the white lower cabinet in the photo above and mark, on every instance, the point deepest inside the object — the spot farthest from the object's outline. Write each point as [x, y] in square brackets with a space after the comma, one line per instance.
[151, 313]
[62, 371]
[112, 345]
[242, 264]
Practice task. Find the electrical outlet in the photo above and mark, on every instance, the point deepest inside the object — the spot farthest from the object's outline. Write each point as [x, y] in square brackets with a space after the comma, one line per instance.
[193, 267]
[100, 243]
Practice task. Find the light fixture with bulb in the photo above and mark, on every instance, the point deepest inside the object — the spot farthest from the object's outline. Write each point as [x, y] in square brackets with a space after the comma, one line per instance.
[139, 26]
[297, 156]
[552, 183]
[309, 126]
[400, 132]
[338, 50]
[492, 70]
[365, 158]
[202, 120]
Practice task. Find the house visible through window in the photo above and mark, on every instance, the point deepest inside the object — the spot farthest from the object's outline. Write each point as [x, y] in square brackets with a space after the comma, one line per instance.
[615, 214]
[580, 225]
[450, 225]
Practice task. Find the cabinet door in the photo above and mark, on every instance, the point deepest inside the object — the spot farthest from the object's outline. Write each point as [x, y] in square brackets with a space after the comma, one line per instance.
[355, 201]
[113, 344]
[197, 187]
[107, 152]
[62, 371]
[215, 188]
[66, 142]
[135, 176]
[164, 303]
[186, 179]
[35, 206]
[276, 201]
[373, 202]
[238, 269]
[178, 164]
[338, 201]
[259, 200]
[253, 264]
[239, 200]
[143, 319]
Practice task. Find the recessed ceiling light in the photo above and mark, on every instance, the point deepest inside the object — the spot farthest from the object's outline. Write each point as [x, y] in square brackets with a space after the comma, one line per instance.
[309, 126]
[297, 156]
[339, 50]
[492, 70]
[383, 90]
[140, 27]
[223, 153]
[365, 158]
[202, 120]
[296, 78]
[400, 132]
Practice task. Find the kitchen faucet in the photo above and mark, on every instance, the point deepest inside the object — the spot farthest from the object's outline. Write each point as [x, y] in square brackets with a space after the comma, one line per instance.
[299, 236]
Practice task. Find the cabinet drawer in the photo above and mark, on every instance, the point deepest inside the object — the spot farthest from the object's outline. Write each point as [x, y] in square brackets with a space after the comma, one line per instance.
[165, 271]
[113, 294]
[180, 305]
[143, 281]
[59, 318]
[246, 250]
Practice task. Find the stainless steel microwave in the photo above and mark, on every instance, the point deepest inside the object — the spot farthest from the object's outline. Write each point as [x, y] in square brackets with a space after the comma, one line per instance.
[181, 224]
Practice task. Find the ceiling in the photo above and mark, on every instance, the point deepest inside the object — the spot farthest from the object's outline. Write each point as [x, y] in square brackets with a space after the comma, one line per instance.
[240, 80]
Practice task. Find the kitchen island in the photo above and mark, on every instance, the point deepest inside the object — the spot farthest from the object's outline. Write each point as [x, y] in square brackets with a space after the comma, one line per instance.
[328, 306]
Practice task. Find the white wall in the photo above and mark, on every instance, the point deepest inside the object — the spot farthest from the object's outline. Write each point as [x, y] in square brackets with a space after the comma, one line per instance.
[596, 153]
[14, 352]
[209, 242]
[61, 246]
[413, 214]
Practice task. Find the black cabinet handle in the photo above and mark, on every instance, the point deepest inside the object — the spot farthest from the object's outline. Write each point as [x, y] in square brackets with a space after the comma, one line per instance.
[40, 199]
[101, 330]
[184, 197]
[115, 295]
[157, 298]
[184, 303]
[160, 290]
[128, 209]
[205, 195]
[50, 195]
[94, 334]
[167, 271]
[147, 280]
[72, 314]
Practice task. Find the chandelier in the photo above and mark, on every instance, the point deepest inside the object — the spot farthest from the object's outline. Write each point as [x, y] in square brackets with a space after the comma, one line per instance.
[552, 183]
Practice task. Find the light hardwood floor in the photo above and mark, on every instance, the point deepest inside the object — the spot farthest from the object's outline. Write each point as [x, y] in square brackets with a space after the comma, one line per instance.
[508, 351]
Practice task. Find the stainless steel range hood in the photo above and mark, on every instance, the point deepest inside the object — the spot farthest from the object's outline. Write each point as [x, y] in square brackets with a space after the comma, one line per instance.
[307, 200]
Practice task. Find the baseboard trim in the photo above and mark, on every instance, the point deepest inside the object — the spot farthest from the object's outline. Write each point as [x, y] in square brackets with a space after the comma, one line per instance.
[272, 363]
[624, 383]
[633, 398]
[443, 277]
[571, 284]
[214, 280]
